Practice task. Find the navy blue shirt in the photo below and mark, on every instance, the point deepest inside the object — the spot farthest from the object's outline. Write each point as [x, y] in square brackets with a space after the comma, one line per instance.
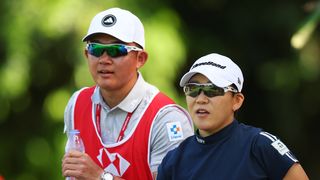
[237, 152]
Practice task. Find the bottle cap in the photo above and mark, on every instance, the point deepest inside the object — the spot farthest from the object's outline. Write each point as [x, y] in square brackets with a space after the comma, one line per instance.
[74, 131]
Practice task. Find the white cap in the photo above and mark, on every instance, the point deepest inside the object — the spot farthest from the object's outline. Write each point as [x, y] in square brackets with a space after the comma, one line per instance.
[118, 23]
[220, 70]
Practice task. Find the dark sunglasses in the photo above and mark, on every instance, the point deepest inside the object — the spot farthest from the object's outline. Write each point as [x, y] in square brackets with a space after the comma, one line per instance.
[209, 89]
[113, 50]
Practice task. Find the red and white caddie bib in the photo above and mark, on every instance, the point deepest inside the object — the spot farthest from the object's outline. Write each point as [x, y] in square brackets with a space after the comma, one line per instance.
[128, 158]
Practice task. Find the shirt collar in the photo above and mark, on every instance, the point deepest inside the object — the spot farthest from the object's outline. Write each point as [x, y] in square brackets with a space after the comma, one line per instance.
[130, 102]
[222, 134]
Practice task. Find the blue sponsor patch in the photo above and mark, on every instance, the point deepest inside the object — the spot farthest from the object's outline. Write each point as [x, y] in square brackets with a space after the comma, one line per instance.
[174, 130]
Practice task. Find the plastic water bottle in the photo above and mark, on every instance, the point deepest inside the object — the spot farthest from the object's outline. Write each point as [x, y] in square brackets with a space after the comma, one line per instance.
[74, 142]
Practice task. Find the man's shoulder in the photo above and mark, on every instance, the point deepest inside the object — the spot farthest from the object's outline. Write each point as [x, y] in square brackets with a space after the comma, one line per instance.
[83, 90]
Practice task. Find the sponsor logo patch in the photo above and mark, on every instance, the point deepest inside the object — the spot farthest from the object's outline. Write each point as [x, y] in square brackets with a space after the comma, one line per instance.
[174, 130]
[208, 63]
[109, 20]
[280, 147]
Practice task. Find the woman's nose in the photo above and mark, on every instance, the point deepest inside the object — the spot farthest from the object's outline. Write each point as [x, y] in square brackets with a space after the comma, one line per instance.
[202, 98]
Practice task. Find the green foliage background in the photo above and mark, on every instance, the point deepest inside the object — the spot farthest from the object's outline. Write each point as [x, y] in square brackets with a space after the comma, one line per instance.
[276, 43]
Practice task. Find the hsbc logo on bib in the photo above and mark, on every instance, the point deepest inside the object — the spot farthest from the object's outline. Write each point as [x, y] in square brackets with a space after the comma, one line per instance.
[113, 162]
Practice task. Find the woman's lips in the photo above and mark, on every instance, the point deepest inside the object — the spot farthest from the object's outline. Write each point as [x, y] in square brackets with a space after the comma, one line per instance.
[202, 112]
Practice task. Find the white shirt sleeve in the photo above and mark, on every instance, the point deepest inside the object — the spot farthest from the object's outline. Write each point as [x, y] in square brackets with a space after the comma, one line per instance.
[68, 112]
[160, 143]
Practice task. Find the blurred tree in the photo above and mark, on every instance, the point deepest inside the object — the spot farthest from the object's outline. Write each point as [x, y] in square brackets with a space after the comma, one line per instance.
[41, 64]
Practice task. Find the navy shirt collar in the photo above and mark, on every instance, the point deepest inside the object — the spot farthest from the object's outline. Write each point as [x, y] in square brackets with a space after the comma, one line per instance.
[224, 133]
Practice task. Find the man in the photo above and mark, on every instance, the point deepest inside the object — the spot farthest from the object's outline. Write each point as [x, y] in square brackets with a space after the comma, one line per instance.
[223, 148]
[126, 124]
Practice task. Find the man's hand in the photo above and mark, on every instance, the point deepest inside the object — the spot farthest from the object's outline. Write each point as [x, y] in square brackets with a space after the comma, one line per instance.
[81, 166]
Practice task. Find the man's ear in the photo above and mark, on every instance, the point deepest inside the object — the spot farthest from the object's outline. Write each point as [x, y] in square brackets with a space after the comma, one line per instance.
[238, 101]
[142, 57]
[85, 52]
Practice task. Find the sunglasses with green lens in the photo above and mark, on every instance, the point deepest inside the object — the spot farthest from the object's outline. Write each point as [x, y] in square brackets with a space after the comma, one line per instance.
[209, 89]
[113, 50]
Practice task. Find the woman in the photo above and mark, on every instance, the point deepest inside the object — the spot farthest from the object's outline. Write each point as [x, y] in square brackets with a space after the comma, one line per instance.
[223, 148]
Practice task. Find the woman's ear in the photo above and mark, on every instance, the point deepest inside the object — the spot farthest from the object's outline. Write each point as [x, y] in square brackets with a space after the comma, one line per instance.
[142, 57]
[238, 101]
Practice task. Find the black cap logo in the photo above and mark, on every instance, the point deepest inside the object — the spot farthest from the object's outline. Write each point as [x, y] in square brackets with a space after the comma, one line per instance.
[239, 81]
[109, 20]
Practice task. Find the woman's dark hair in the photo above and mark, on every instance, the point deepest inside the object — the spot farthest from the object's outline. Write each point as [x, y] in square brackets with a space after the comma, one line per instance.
[235, 87]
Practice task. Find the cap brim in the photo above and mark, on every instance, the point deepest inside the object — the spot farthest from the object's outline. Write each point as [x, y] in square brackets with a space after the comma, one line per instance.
[86, 37]
[186, 78]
